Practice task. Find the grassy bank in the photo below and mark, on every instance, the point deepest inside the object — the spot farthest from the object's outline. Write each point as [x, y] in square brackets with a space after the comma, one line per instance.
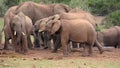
[71, 63]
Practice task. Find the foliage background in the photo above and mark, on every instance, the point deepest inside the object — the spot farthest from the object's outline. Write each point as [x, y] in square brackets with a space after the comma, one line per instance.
[108, 8]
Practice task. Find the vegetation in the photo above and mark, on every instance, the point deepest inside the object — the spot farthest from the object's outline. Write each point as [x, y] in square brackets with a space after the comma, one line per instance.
[108, 8]
[103, 7]
[112, 19]
[70, 63]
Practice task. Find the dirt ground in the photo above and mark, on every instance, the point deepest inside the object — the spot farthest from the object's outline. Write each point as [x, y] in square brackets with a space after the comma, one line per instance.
[109, 53]
[45, 59]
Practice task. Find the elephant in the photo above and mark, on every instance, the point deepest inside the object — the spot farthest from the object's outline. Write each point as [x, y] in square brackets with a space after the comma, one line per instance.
[56, 37]
[110, 37]
[82, 32]
[21, 29]
[6, 28]
[79, 15]
[38, 11]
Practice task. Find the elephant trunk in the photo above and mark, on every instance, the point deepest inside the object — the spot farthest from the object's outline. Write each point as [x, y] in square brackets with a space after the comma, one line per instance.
[19, 36]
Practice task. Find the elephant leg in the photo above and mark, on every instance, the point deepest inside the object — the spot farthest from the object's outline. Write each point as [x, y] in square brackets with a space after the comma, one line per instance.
[30, 46]
[16, 45]
[36, 39]
[99, 46]
[69, 48]
[24, 45]
[64, 42]
[90, 51]
[74, 44]
[6, 43]
[41, 41]
[85, 51]
[36, 42]
[57, 43]
[49, 44]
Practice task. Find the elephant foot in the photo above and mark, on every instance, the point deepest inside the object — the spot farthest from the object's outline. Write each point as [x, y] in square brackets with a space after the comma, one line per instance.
[101, 51]
[45, 47]
[36, 46]
[5, 48]
[24, 52]
[31, 48]
[87, 55]
[54, 51]
[65, 54]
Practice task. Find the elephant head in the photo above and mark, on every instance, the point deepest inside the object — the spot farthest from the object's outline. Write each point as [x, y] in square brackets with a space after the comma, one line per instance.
[47, 23]
[53, 26]
[16, 25]
[40, 28]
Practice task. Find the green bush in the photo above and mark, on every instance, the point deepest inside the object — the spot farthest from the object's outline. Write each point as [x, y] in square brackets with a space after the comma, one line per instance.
[3, 8]
[100, 27]
[112, 19]
[82, 4]
[103, 7]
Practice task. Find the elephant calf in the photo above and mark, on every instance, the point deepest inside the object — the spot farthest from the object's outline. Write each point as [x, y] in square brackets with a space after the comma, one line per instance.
[21, 29]
[110, 37]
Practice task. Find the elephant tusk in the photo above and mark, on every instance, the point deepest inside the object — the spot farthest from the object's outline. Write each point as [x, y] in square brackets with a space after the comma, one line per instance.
[23, 33]
[15, 33]
[40, 30]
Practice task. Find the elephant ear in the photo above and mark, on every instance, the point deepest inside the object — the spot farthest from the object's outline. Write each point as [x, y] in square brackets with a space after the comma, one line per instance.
[11, 15]
[56, 26]
[21, 15]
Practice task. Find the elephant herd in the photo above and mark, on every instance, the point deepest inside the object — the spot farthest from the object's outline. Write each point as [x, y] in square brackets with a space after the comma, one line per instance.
[56, 22]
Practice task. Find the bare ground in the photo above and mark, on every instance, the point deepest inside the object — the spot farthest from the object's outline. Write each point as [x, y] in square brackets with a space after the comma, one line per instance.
[112, 53]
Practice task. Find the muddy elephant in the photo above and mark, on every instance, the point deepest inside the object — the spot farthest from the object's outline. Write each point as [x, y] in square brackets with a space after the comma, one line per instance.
[82, 32]
[110, 37]
[6, 28]
[21, 29]
[38, 11]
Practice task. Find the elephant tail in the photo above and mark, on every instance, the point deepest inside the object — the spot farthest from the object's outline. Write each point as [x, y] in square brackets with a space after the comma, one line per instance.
[99, 46]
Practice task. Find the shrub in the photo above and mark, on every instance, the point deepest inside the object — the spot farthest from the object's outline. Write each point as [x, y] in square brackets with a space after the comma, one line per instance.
[103, 7]
[3, 8]
[112, 19]
[82, 4]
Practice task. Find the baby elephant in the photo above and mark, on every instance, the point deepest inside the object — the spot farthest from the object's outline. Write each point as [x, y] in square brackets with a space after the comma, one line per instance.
[21, 28]
[76, 30]
[110, 37]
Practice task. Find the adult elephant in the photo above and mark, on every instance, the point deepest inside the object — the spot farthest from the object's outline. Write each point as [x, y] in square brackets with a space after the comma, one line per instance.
[80, 14]
[110, 37]
[6, 28]
[21, 29]
[82, 32]
[38, 11]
